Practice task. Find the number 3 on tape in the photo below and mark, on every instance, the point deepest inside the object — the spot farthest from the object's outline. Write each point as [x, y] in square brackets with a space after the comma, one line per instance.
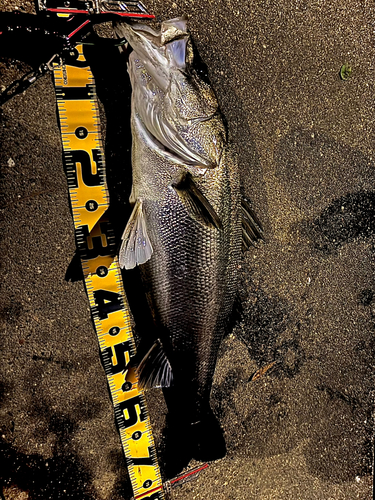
[84, 165]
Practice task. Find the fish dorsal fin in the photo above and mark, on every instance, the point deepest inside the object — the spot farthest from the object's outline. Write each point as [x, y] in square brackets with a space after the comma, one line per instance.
[252, 230]
[155, 369]
[136, 246]
[195, 202]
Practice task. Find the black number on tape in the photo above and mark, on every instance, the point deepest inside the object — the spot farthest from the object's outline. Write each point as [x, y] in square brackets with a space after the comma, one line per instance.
[154, 496]
[126, 386]
[120, 351]
[101, 245]
[81, 132]
[82, 157]
[106, 303]
[150, 460]
[127, 412]
[115, 330]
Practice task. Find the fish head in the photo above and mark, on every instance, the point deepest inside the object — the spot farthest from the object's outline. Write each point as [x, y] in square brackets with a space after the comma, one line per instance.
[158, 51]
[178, 108]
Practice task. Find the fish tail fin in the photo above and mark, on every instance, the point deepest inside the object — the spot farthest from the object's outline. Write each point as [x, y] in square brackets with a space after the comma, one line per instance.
[155, 369]
[202, 440]
[210, 438]
[252, 229]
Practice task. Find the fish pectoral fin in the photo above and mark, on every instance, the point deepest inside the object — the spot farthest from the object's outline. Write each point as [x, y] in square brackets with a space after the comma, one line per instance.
[195, 202]
[252, 230]
[136, 246]
[155, 369]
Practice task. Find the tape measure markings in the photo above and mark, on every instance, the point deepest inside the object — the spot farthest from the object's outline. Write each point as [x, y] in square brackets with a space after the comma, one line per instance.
[84, 165]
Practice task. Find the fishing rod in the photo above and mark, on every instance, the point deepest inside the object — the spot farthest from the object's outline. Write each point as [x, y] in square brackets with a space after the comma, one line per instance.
[50, 37]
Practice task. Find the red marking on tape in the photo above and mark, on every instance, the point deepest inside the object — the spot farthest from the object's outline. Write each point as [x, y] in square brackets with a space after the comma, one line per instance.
[192, 472]
[158, 488]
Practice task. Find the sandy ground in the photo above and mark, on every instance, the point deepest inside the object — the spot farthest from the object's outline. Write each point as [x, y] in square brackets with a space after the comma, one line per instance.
[303, 430]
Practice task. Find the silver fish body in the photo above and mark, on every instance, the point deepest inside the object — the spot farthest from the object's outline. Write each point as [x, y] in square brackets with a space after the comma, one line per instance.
[185, 230]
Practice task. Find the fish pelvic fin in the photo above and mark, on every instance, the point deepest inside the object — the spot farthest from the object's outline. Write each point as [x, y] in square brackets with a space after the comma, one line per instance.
[196, 203]
[252, 230]
[136, 246]
[155, 369]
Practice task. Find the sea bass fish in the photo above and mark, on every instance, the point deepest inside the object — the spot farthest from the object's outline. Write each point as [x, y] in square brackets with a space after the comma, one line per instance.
[186, 229]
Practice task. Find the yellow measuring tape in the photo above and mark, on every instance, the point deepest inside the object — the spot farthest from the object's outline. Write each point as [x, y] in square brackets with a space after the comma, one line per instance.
[84, 165]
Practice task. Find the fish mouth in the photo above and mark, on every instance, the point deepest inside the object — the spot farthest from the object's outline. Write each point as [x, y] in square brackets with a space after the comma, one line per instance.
[173, 29]
[151, 44]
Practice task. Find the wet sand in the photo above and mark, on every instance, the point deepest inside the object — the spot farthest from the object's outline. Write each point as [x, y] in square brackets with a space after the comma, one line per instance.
[305, 141]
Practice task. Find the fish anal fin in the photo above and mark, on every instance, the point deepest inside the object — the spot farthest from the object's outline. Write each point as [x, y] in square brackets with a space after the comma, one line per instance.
[252, 230]
[155, 369]
[195, 202]
[136, 246]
